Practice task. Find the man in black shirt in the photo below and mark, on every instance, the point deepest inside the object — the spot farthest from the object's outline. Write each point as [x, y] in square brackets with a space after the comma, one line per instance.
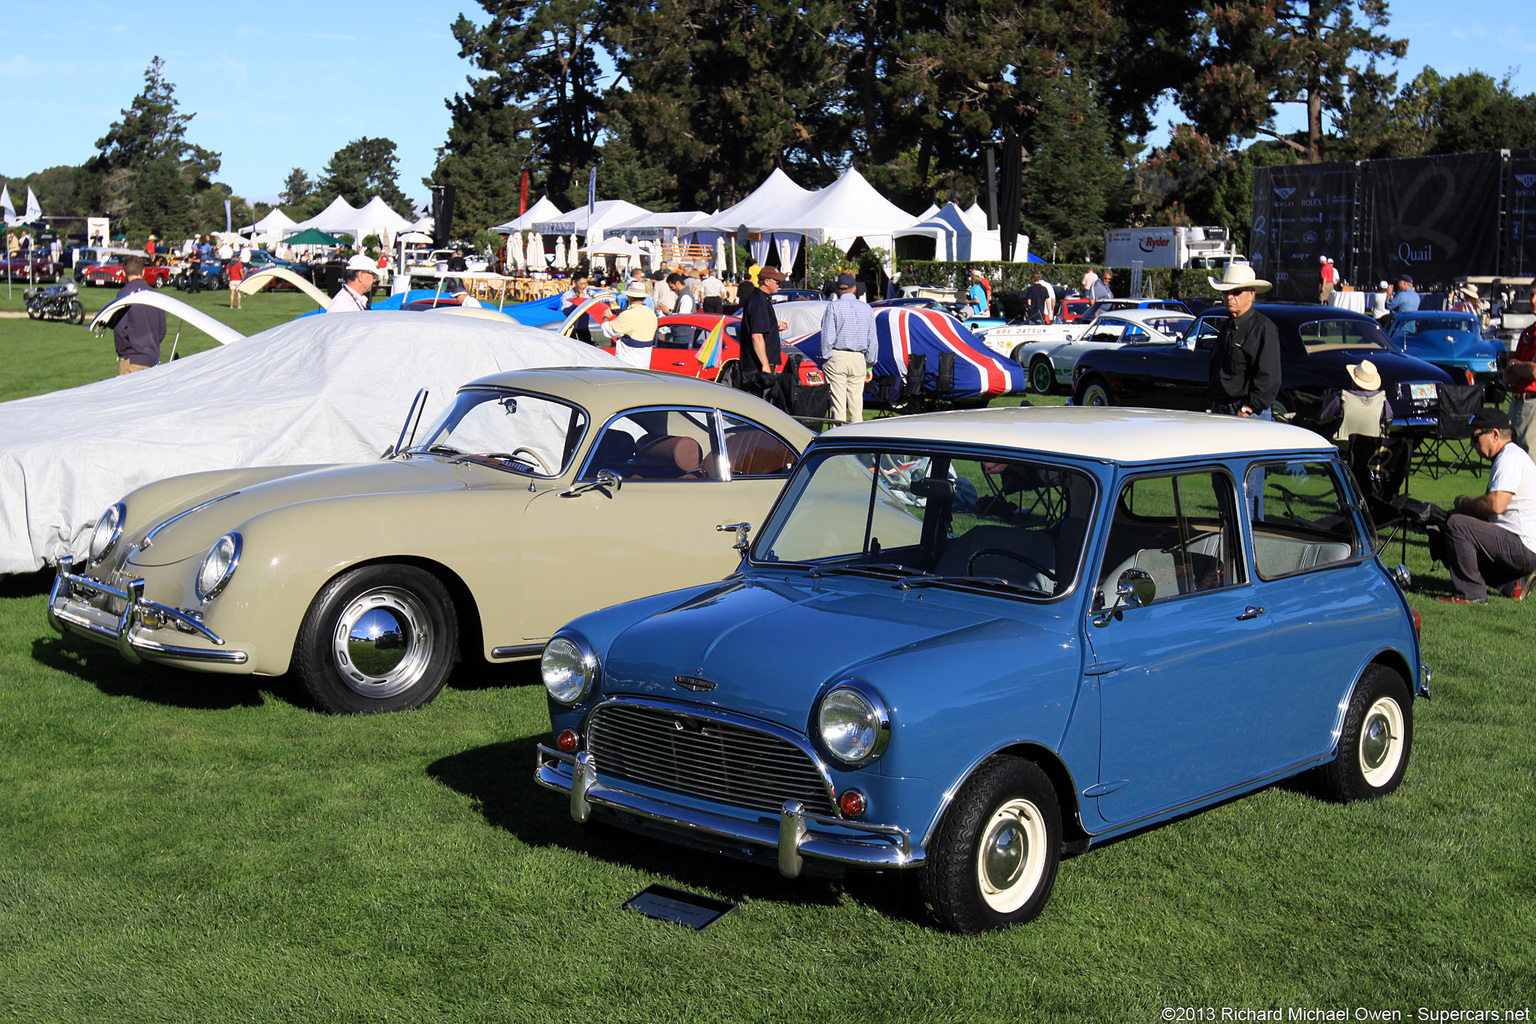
[1036, 299]
[1245, 365]
[759, 332]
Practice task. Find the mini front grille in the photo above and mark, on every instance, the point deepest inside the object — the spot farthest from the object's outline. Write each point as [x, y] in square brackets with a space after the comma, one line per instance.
[704, 757]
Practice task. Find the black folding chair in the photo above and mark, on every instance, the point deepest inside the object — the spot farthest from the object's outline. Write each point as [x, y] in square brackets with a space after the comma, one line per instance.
[1453, 431]
[1380, 466]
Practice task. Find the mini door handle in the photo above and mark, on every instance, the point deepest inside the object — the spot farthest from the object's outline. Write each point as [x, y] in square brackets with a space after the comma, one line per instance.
[1250, 613]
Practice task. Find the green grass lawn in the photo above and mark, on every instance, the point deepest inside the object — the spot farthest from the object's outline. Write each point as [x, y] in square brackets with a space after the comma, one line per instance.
[183, 847]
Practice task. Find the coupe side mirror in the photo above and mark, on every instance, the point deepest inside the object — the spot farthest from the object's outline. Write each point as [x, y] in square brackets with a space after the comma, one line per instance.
[606, 480]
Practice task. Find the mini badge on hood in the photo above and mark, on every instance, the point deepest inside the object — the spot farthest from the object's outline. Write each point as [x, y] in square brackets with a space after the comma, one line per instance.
[693, 683]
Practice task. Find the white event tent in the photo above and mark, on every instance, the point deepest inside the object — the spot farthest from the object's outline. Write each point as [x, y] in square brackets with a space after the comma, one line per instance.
[956, 235]
[375, 218]
[271, 229]
[540, 211]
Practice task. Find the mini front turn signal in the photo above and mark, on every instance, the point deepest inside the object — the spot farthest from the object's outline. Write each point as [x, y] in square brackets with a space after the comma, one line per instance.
[566, 741]
[1418, 622]
[852, 804]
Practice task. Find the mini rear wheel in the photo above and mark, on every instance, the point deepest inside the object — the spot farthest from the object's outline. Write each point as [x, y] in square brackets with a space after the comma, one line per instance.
[1375, 741]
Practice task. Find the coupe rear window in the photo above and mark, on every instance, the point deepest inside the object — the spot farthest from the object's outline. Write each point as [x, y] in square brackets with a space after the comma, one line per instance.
[1322, 335]
[1440, 323]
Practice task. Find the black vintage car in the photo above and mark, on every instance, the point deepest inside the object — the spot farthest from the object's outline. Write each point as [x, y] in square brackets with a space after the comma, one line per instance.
[1316, 344]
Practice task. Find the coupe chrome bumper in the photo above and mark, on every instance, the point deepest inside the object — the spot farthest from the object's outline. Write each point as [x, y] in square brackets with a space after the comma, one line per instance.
[70, 611]
[880, 846]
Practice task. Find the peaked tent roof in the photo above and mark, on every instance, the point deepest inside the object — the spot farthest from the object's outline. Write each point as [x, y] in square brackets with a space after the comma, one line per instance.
[769, 200]
[340, 211]
[540, 211]
[605, 215]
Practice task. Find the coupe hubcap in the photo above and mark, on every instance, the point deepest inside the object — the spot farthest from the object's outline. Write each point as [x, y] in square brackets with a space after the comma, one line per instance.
[382, 642]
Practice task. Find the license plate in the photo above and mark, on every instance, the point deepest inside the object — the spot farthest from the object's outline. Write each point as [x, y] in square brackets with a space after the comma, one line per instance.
[1421, 392]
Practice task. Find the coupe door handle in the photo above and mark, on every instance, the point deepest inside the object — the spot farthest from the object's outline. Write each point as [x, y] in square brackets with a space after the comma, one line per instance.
[1250, 613]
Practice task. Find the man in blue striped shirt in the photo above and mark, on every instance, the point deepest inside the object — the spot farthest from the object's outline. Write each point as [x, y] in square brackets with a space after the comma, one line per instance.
[848, 350]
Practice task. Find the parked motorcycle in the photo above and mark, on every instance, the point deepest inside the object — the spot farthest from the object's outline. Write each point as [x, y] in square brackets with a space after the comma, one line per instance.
[56, 302]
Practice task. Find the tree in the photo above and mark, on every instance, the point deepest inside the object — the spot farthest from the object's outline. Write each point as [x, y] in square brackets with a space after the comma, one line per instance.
[145, 173]
[542, 56]
[1259, 53]
[362, 169]
[1073, 172]
[489, 146]
[296, 187]
[622, 171]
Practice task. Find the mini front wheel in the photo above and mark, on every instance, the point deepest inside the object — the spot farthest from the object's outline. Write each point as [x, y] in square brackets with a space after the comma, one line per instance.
[994, 856]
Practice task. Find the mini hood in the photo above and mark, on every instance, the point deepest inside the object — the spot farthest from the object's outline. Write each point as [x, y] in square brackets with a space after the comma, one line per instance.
[769, 646]
[194, 533]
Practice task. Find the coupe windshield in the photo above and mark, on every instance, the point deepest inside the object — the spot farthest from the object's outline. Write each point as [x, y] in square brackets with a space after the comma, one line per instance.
[926, 517]
[1440, 323]
[514, 430]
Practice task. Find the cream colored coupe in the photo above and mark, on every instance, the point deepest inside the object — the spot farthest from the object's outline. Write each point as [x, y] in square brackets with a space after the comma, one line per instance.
[539, 495]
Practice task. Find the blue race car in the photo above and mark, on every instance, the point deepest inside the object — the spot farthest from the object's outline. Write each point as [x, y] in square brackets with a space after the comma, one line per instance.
[1452, 341]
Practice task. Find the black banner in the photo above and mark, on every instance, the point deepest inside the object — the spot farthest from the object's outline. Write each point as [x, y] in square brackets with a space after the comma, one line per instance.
[1520, 215]
[1433, 217]
[1301, 214]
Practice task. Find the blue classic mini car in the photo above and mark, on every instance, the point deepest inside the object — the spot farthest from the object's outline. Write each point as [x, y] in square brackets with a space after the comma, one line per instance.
[967, 642]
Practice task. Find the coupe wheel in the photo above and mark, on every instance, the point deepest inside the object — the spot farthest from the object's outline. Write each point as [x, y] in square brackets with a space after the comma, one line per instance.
[993, 859]
[727, 375]
[379, 638]
[1042, 376]
[1095, 394]
[1375, 741]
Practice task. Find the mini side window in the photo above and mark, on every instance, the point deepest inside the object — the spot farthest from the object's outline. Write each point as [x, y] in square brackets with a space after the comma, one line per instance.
[1180, 529]
[1302, 518]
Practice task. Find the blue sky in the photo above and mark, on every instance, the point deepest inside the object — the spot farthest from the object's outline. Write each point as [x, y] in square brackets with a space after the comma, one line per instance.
[283, 84]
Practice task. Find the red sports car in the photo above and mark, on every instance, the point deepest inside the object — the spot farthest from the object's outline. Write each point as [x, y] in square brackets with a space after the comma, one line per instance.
[1073, 308]
[679, 339]
[24, 267]
[112, 273]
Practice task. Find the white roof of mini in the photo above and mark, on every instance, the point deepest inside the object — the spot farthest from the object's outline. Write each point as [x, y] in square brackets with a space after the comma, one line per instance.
[1109, 435]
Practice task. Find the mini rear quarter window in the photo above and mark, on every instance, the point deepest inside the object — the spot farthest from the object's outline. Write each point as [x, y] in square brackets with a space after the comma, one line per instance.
[1302, 518]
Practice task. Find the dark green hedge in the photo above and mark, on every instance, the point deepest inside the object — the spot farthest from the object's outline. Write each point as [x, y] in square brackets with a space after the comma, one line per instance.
[1156, 282]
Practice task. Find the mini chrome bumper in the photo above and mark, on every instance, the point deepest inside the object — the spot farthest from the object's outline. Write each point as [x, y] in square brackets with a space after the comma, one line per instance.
[886, 846]
[129, 630]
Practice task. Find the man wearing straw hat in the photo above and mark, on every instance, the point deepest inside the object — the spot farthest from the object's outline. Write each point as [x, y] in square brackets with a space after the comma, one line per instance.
[1245, 365]
[634, 330]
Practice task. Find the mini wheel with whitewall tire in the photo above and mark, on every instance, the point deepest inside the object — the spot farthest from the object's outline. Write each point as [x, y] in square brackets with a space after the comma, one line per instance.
[377, 638]
[1042, 376]
[1094, 394]
[993, 858]
[1375, 741]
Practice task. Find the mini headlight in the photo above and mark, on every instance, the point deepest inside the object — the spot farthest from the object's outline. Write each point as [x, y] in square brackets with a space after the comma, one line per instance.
[569, 668]
[218, 566]
[854, 726]
[108, 528]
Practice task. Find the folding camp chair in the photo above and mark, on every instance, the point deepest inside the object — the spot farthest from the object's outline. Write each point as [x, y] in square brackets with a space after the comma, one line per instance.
[1453, 430]
[1380, 466]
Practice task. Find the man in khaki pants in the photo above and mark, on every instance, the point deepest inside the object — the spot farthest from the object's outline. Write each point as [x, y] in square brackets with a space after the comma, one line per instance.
[849, 350]
[140, 331]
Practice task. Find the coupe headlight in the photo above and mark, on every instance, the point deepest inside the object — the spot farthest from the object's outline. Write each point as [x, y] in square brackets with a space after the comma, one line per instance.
[569, 667]
[108, 528]
[218, 566]
[853, 724]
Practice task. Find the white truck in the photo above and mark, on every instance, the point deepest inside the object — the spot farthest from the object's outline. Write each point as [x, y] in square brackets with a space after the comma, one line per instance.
[1179, 248]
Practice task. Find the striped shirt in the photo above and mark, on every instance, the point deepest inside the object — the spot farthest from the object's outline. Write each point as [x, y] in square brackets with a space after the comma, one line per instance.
[849, 323]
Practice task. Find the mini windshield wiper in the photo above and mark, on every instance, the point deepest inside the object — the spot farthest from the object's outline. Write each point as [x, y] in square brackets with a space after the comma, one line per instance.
[879, 570]
[993, 582]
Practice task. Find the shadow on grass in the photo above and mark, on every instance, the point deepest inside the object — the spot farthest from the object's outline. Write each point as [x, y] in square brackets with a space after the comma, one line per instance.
[159, 684]
[499, 778]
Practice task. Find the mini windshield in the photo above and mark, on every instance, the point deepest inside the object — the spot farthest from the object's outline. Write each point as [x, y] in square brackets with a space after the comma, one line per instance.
[512, 430]
[931, 518]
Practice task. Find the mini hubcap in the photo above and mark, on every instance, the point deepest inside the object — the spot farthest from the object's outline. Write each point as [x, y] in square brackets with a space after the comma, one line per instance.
[1381, 741]
[1010, 860]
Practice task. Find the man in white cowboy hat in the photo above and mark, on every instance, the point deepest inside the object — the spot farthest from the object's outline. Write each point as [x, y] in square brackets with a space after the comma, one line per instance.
[1245, 364]
[352, 297]
[634, 330]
